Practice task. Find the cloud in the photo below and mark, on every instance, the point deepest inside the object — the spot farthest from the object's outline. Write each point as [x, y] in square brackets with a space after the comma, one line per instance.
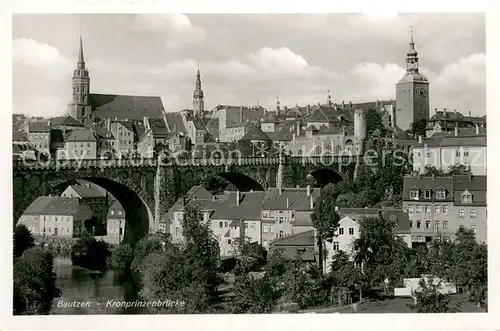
[280, 59]
[33, 53]
[245, 59]
[176, 28]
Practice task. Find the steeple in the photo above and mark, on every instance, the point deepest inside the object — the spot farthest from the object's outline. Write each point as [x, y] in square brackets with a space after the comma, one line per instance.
[81, 60]
[79, 107]
[412, 55]
[198, 102]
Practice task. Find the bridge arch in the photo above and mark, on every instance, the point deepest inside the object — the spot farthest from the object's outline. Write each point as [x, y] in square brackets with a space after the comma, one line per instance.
[241, 181]
[138, 206]
[325, 176]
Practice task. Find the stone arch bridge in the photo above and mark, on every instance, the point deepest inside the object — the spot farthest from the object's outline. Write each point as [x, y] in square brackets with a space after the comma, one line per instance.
[147, 188]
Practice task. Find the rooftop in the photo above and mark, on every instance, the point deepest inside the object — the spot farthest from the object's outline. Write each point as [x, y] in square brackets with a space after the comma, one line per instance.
[38, 127]
[125, 107]
[80, 136]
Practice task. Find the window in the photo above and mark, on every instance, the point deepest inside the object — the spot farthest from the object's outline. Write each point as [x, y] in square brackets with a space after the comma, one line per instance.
[472, 214]
[252, 226]
[418, 209]
[445, 224]
[418, 224]
[112, 211]
[246, 225]
[427, 194]
[229, 241]
[428, 154]
[281, 233]
[457, 153]
[473, 228]
[221, 224]
[335, 246]
[180, 216]
[437, 209]
[318, 150]
[461, 213]
[55, 218]
[466, 198]
[445, 209]
[413, 238]
[281, 220]
[226, 224]
[341, 231]
[420, 239]
[81, 145]
[414, 194]
[410, 209]
[466, 153]
[351, 231]
[177, 231]
[411, 224]
[427, 224]
[436, 225]
[67, 230]
[428, 209]
[271, 229]
[265, 228]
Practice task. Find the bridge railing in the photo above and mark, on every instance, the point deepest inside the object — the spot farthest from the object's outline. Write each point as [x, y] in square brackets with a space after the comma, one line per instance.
[153, 162]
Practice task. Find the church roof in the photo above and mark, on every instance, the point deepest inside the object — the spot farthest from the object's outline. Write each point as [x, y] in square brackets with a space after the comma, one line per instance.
[125, 107]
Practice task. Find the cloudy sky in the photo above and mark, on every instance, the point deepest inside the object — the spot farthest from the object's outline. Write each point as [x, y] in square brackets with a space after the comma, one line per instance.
[248, 59]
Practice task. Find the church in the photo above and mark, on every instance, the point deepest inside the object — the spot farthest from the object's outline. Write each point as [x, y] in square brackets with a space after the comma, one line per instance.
[90, 108]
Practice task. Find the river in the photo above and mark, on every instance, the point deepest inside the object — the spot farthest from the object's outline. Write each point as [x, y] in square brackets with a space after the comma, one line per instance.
[95, 289]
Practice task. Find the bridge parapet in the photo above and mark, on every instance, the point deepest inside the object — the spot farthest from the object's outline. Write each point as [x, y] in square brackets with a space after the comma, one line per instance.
[154, 162]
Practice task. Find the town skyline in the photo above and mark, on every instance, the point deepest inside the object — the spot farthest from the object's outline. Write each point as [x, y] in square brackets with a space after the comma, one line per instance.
[273, 63]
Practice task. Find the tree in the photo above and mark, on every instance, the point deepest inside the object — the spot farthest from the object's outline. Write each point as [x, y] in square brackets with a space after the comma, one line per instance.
[121, 258]
[254, 296]
[458, 169]
[146, 246]
[418, 127]
[34, 282]
[90, 253]
[248, 255]
[325, 218]
[380, 253]
[428, 298]
[23, 240]
[373, 121]
[186, 272]
[469, 265]
[431, 170]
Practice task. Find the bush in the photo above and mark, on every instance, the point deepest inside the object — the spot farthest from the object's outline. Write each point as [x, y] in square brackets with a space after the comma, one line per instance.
[34, 282]
[23, 240]
[121, 258]
[89, 253]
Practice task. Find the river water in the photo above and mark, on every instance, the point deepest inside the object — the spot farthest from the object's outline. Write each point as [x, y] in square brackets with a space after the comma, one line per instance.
[93, 289]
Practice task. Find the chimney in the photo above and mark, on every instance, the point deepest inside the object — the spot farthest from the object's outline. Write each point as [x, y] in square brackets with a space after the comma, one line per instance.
[456, 131]
[477, 129]
[455, 111]
[343, 105]
[435, 111]
[237, 198]
[308, 190]
[311, 202]
[287, 203]
[241, 113]
[444, 111]
[470, 113]
[420, 139]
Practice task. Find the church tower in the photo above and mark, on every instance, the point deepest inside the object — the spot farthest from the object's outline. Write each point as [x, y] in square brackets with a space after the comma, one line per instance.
[80, 108]
[412, 92]
[198, 103]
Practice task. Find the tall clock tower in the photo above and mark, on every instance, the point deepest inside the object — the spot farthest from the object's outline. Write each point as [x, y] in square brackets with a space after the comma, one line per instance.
[412, 92]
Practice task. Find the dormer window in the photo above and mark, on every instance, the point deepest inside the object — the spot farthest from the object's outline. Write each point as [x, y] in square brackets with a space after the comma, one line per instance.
[414, 194]
[466, 197]
[427, 194]
[441, 194]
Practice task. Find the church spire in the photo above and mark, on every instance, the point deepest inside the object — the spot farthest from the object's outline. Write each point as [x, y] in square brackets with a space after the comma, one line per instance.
[198, 102]
[412, 55]
[81, 59]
